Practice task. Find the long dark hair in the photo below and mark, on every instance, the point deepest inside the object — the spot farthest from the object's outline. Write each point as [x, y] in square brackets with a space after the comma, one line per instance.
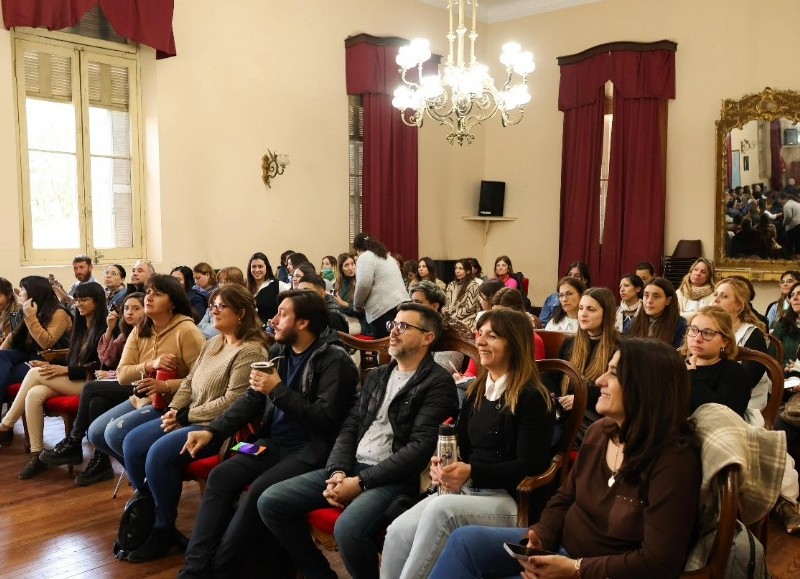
[433, 275]
[251, 281]
[656, 390]
[345, 293]
[186, 274]
[7, 290]
[243, 304]
[41, 293]
[83, 339]
[788, 321]
[365, 242]
[663, 328]
[464, 283]
[123, 327]
[170, 286]
[584, 269]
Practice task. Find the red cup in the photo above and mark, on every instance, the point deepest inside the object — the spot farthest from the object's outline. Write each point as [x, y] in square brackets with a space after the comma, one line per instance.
[159, 399]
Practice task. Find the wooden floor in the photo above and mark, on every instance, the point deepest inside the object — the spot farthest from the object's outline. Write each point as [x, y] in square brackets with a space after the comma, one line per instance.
[53, 529]
[50, 528]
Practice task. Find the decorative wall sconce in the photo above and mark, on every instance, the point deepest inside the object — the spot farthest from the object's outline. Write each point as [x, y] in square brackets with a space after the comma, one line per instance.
[746, 146]
[272, 165]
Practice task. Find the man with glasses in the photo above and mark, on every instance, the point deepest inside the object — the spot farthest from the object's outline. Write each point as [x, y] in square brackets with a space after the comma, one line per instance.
[384, 445]
[298, 408]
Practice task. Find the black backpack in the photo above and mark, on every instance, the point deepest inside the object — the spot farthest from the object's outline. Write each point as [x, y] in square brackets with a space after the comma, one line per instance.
[136, 524]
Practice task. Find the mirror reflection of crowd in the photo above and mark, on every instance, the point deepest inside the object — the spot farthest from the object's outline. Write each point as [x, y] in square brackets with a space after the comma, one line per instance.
[763, 224]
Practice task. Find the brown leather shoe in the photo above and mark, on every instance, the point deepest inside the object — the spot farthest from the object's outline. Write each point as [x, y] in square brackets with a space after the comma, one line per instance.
[788, 515]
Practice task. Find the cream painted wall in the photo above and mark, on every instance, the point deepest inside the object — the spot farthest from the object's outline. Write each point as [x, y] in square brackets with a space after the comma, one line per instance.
[709, 67]
[212, 112]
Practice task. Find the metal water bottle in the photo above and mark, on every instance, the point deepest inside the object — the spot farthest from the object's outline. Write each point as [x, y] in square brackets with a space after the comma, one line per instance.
[446, 448]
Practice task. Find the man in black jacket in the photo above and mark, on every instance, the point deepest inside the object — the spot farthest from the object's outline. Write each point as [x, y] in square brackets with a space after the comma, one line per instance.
[385, 442]
[300, 409]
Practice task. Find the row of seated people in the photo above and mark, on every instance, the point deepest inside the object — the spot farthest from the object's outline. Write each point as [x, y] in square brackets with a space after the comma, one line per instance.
[170, 419]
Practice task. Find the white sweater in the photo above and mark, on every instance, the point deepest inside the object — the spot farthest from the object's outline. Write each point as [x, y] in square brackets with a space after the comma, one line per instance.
[379, 285]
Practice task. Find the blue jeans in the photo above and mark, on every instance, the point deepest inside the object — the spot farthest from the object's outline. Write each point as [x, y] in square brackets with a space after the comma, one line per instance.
[12, 369]
[153, 454]
[108, 431]
[284, 505]
[475, 551]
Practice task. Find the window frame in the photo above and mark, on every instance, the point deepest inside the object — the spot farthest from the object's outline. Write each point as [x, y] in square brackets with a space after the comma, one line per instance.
[81, 49]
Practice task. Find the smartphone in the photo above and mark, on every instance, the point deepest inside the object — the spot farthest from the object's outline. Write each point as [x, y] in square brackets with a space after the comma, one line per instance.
[137, 393]
[249, 448]
[522, 552]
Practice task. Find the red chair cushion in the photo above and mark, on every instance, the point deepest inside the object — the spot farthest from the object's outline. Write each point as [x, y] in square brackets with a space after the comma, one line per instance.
[62, 405]
[13, 390]
[324, 519]
[200, 468]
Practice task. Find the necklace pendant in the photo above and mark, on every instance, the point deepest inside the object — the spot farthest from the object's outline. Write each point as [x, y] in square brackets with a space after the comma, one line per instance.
[611, 481]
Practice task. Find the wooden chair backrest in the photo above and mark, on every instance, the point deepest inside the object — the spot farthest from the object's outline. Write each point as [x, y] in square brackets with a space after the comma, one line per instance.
[775, 373]
[452, 342]
[380, 347]
[728, 488]
[552, 342]
[559, 464]
[775, 343]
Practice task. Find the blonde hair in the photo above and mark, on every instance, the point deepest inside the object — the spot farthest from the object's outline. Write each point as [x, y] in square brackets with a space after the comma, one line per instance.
[724, 323]
[686, 285]
[742, 295]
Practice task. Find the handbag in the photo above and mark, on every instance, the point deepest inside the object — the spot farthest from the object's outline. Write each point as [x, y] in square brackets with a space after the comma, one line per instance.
[791, 411]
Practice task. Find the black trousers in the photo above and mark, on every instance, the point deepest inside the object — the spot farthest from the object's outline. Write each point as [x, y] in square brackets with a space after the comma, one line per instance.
[226, 536]
[378, 325]
[97, 397]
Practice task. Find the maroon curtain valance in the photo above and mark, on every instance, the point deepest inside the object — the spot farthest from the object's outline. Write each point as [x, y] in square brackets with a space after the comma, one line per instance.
[147, 22]
[637, 70]
[372, 69]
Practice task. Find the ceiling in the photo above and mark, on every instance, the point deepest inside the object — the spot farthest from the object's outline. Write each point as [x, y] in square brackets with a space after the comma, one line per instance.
[500, 10]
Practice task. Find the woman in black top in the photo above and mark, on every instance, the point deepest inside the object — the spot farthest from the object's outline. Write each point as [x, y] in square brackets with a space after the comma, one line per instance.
[711, 358]
[262, 284]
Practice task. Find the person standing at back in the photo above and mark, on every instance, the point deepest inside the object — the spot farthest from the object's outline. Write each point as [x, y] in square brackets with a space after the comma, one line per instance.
[379, 284]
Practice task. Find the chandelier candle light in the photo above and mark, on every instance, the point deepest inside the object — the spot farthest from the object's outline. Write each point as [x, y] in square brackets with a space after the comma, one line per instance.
[465, 95]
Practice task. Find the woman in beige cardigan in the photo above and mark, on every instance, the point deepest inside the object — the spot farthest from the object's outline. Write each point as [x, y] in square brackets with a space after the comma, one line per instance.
[153, 451]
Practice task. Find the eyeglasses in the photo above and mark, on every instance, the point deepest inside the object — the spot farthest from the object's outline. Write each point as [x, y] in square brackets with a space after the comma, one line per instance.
[402, 327]
[217, 307]
[707, 334]
[567, 295]
[794, 294]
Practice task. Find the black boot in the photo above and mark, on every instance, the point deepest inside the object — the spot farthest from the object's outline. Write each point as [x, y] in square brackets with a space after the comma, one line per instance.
[97, 470]
[68, 451]
[158, 545]
[34, 467]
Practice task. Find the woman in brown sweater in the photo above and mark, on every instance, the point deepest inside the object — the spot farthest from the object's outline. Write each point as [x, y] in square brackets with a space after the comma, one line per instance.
[623, 512]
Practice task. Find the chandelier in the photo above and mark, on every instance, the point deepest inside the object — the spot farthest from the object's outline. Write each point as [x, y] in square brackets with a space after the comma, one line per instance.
[465, 95]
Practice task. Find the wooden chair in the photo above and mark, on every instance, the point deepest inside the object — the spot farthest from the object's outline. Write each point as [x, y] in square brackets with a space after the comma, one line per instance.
[777, 345]
[374, 353]
[559, 466]
[775, 372]
[717, 562]
[452, 342]
[552, 342]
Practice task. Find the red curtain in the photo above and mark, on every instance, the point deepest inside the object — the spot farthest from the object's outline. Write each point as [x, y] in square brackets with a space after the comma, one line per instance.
[634, 213]
[147, 22]
[389, 193]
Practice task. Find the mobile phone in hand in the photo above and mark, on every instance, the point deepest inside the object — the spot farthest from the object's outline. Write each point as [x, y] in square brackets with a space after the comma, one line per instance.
[522, 552]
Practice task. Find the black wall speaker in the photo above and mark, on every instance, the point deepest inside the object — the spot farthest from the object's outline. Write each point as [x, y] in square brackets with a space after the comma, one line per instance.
[493, 195]
[790, 137]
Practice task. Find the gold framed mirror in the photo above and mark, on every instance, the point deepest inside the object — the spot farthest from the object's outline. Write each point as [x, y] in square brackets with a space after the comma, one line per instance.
[757, 152]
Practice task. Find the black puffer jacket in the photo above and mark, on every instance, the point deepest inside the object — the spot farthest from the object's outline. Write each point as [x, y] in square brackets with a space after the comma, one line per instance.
[428, 398]
[327, 390]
